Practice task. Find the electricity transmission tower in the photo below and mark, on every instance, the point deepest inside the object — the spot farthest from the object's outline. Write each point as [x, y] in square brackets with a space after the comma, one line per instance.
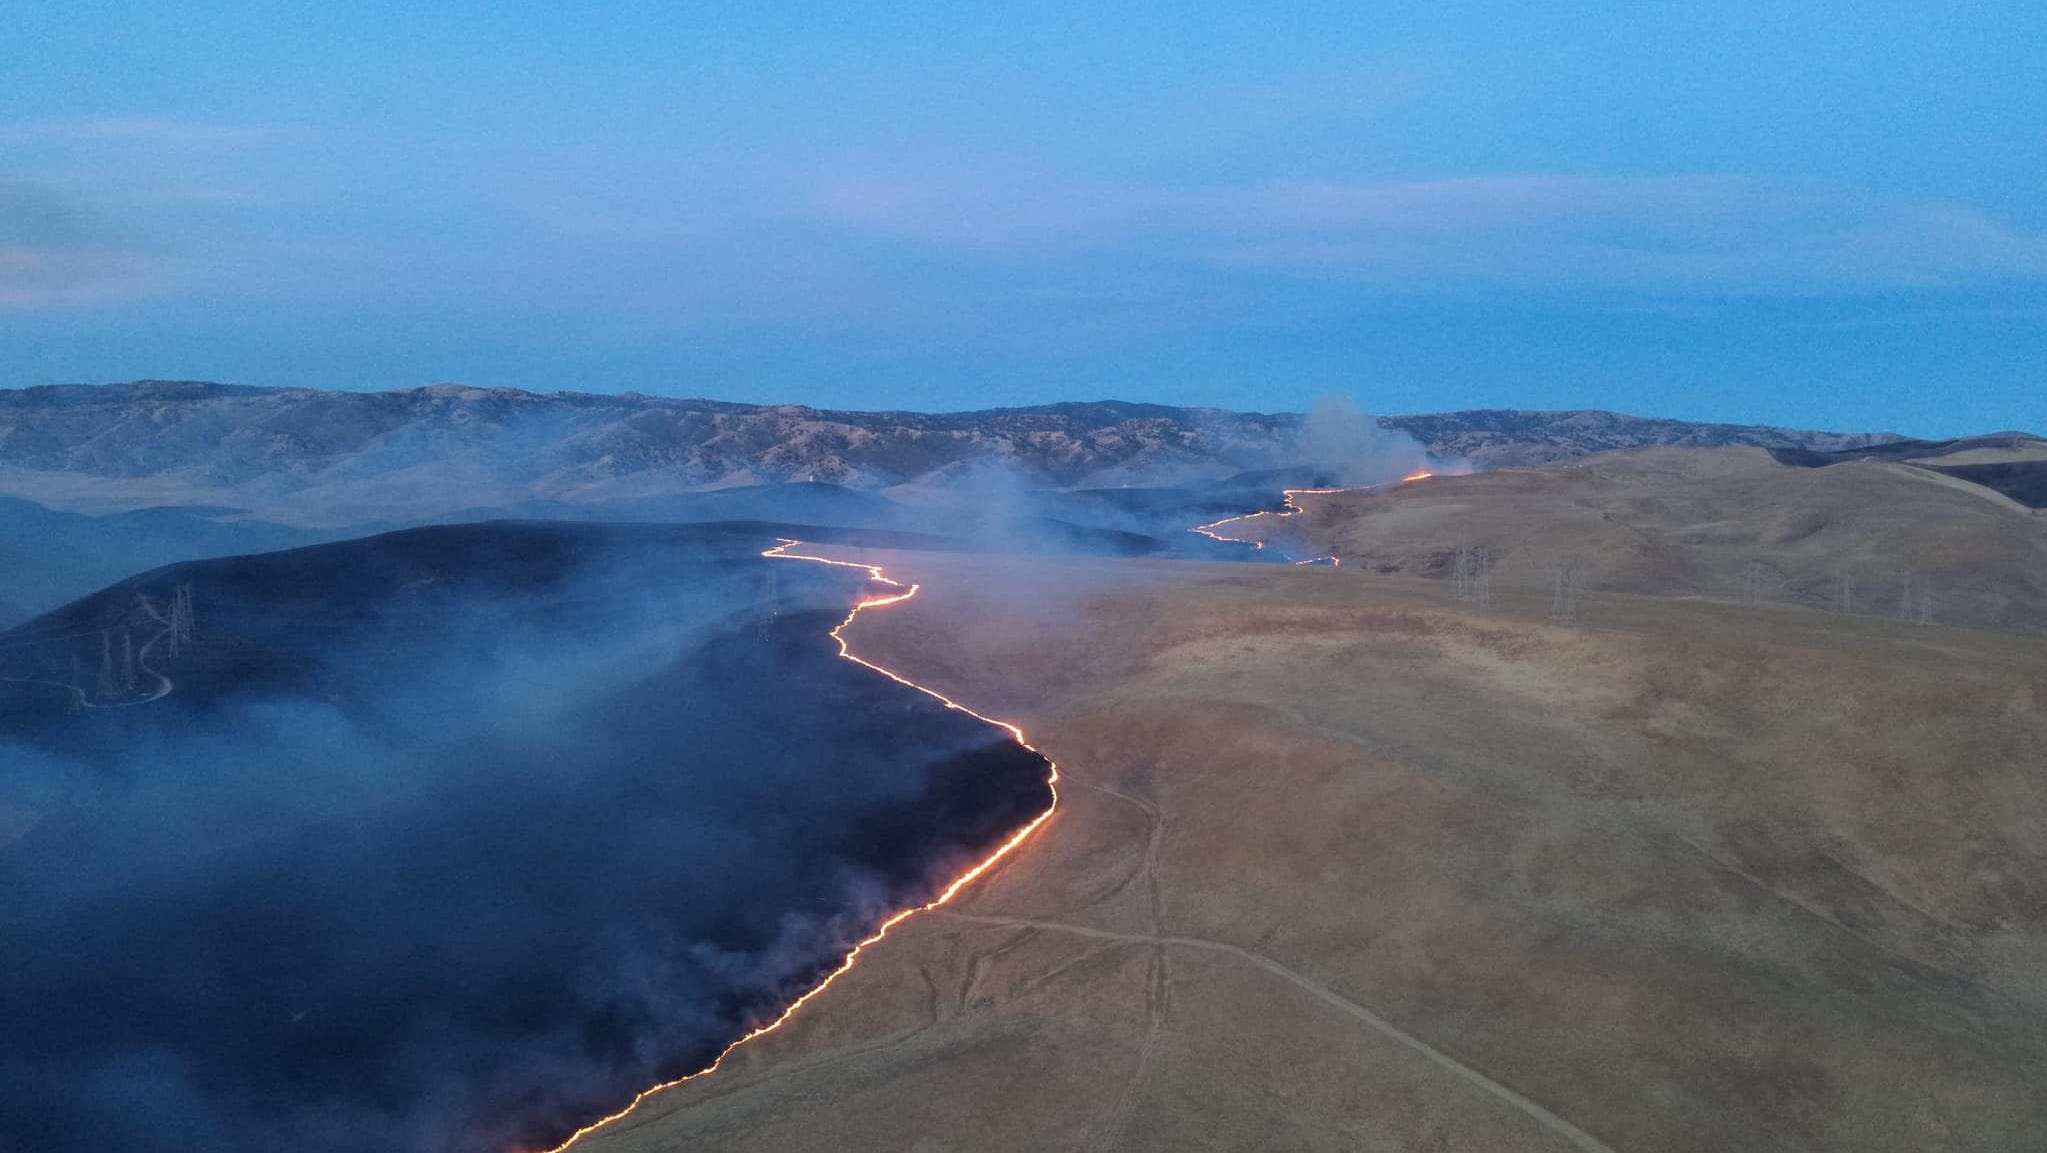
[181, 614]
[179, 627]
[1752, 584]
[765, 611]
[1563, 605]
[1915, 600]
[1471, 578]
[104, 687]
[1844, 590]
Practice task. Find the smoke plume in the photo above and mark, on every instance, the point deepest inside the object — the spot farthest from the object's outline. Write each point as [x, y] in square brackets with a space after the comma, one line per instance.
[450, 840]
[1350, 447]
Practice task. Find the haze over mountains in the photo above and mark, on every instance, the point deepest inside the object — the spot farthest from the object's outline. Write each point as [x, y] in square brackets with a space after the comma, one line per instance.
[408, 705]
[1083, 578]
[329, 458]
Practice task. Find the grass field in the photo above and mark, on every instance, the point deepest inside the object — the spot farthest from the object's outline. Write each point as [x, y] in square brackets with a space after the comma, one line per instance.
[1343, 864]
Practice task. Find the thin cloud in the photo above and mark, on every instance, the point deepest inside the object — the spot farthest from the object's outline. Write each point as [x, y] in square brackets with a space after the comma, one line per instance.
[149, 131]
[31, 279]
[1708, 234]
[977, 209]
[1715, 234]
[54, 252]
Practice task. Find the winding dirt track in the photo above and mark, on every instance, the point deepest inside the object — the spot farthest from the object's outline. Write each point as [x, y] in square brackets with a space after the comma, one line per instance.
[1327, 996]
[1348, 865]
[164, 685]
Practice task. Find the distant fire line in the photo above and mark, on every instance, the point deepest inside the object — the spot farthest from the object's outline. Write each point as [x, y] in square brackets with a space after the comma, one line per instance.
[1292, 509]
[781, 552]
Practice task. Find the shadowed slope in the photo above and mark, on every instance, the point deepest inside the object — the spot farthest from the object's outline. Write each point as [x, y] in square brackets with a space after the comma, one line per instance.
[446, 840]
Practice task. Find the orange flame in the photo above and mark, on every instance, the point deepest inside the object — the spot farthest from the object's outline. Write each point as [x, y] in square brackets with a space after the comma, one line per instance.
[1291, 509]
[1419, 474]
[781, 552]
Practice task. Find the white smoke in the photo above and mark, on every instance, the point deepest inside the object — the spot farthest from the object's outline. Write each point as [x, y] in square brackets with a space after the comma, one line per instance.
[1349, 445]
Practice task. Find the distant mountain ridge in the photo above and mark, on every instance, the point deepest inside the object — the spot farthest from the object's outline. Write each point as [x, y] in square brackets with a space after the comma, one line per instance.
[2013, 464]
[1495, 437]
[313, 456]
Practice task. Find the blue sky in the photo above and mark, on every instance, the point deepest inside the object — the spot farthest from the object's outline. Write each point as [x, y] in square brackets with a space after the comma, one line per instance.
[1807, 213]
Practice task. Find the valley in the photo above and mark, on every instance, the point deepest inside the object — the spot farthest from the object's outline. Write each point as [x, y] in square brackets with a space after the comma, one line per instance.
[1605, 804]
[1317, 578]
[457, 835]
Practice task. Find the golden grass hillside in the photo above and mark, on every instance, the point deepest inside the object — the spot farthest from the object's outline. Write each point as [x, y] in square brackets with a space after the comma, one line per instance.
[1341, 864]
[1685, 522]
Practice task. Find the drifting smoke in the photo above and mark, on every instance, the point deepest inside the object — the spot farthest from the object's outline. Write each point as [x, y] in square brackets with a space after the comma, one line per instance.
[451, 840]
[1349, 447]
[48, 557]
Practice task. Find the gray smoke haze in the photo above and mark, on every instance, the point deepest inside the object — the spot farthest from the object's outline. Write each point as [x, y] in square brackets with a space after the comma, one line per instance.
[452, 839]
[48, 557]
[1348, 443]
[446, 841]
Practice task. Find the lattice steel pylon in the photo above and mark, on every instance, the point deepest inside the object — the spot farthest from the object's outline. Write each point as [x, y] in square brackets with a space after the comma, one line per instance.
[1563, 605]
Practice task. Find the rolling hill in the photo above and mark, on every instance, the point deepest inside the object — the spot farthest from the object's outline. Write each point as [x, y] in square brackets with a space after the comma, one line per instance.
[329, 459]
[1722, 523]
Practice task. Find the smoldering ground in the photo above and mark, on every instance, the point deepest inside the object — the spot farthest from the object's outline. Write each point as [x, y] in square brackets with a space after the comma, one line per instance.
[992, 503]
[452, 839]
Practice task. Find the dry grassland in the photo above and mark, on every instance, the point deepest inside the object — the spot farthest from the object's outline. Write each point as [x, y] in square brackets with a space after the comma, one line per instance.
[1341, 864]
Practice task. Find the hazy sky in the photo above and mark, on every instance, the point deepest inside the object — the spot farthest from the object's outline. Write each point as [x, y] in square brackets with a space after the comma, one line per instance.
[1800, 212]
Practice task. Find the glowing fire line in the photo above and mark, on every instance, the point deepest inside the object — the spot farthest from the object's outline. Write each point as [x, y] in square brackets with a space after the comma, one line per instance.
[781, 552]
[1291, 508]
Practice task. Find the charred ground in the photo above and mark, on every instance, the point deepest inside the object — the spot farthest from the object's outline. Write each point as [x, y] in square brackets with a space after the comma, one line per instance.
[450, 838]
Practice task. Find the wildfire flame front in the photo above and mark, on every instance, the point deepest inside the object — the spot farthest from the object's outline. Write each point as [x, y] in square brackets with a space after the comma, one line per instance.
[945, 895]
